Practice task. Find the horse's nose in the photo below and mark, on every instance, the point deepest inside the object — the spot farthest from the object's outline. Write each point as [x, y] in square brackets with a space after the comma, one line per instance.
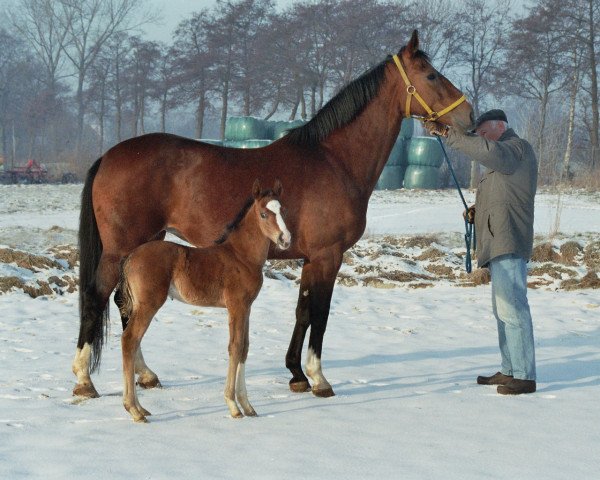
[283, 242]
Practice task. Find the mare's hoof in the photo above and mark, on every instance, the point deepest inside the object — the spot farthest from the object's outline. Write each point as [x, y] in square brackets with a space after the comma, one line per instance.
[324, 393]
[152, 383]
[87, 391]
[299, 387]
[141, 419]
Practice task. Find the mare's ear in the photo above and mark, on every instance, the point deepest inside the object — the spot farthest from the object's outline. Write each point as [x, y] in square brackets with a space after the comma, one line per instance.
[277, 188]
[413, 43]
[256, 189]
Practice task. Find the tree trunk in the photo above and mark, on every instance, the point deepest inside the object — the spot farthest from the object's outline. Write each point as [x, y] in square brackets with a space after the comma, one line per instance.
[594, 134]
[200, 115]
[224, 108]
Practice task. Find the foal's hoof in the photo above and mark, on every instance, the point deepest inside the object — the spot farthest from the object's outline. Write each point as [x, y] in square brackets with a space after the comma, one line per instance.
[151, 383]
[323, 393]
[299, 387]
[87, 391]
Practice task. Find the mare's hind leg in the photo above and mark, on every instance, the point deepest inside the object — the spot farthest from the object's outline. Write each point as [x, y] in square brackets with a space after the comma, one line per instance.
[241, 392]
[316, 289]
[93, 304]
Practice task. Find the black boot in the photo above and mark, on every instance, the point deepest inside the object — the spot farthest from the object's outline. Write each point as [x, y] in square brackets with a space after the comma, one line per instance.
[517, 387]
[496, 379]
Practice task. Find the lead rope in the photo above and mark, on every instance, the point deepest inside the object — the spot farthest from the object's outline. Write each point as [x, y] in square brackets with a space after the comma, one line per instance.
[469, 227]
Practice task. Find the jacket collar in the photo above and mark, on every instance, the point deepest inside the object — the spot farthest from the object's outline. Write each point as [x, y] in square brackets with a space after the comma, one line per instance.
[509, 133]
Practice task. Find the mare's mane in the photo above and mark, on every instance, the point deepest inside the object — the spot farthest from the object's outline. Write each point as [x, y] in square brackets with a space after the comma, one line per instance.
[234, 224]
[345, 106]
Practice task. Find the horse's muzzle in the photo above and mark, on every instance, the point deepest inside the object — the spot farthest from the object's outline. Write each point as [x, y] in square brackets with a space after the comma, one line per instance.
[284, 243]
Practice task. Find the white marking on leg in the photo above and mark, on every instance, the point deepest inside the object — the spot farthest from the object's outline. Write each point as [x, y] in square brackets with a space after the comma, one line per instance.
[145, 375]
[275, 207]
[81, 364]
[313, 370]
[241, 392]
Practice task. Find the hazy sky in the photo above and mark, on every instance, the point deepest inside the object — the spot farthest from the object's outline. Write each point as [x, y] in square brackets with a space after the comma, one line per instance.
[173, 11]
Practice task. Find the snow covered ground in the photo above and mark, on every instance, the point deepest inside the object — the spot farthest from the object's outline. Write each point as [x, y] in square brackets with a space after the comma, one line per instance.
[405, 340]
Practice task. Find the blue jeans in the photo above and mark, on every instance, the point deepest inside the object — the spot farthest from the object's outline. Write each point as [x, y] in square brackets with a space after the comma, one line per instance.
[511, 309]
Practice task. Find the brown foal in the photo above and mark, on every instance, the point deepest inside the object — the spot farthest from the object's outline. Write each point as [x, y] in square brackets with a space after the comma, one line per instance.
[228, 274]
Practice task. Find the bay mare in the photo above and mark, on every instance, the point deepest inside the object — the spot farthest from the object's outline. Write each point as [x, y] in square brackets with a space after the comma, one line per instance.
[155, 183]
[229, 275]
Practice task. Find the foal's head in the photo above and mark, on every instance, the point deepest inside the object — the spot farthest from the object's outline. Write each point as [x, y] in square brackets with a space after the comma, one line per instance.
[269, 214]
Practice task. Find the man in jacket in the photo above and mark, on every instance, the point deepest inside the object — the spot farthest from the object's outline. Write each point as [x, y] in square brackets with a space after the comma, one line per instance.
[504, 225]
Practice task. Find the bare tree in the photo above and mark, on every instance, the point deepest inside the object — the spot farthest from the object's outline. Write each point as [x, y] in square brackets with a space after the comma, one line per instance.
[194, 60]
[535, 67]
[90, 24]
[483, 36]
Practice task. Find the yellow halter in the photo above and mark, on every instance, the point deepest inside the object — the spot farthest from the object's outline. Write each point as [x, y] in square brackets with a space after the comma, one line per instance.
[412, 92]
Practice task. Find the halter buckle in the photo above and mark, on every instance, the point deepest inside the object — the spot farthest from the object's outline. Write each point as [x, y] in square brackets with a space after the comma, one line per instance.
[410, 89]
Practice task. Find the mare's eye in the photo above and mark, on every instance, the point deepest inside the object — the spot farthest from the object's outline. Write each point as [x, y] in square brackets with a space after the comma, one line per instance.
[263, 215]
[431, 76]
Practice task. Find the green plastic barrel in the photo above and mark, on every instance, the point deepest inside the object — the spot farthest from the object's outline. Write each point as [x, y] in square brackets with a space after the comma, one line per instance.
[391, 178]
[245, 128]
[252, 143]
[398, 154]
[425, 151]
[421, 176]
[280, 129]
[212, 141]
[407, 128]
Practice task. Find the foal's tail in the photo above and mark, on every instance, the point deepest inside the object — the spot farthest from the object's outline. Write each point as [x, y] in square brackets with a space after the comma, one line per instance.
[93, 312]
[123, 297]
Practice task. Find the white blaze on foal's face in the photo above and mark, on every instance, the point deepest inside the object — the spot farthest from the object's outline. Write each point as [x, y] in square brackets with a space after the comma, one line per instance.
[275, 207]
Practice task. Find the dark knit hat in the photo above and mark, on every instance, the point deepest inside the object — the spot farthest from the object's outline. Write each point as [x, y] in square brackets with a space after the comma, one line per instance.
[495, 114]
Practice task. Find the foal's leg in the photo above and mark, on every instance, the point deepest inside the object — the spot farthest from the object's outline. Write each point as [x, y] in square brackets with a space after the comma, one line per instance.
[240, 388]
[236, 346]
[146, 377]
[316, 289]
[130, 343]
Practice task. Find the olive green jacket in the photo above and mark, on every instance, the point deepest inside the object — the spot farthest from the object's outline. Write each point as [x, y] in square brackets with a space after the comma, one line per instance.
[505, 195]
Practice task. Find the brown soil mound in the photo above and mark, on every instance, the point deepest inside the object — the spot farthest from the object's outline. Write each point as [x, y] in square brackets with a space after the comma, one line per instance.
[591, 255]
[431, 254]
[553, 270]
[69, 253]
[29, 261]
[421, 241]
[479, 276]
[8, 283]
[569, 251]
[545, 253]
[399, 276]
[589, 280]
[442, 271]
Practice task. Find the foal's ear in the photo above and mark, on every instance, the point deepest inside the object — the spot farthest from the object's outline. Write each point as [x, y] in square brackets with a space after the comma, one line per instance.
[256, 189]
[277, 188]
[413, 43]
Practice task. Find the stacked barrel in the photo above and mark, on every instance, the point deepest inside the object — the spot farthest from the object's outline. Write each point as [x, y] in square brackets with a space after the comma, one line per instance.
[252, 132]
[414, 161]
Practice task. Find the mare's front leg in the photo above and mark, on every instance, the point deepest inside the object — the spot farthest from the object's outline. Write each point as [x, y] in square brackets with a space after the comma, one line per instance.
[316, 289]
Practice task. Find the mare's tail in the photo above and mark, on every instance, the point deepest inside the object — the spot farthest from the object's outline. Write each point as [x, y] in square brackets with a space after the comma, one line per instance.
[93, 311]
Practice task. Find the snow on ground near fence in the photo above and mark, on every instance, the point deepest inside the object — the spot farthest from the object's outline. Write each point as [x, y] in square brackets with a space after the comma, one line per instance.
[402, 362]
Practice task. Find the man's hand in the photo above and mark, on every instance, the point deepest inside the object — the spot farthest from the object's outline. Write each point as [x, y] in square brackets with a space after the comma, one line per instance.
[436, 128]
[469, 215]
